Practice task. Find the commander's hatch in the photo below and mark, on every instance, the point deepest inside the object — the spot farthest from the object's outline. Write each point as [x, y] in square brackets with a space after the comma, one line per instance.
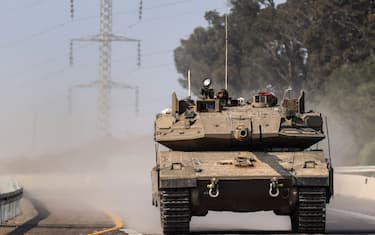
[208, 105]
[264, 99]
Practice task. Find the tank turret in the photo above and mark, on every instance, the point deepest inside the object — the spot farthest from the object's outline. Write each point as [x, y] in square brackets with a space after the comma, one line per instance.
[220, 123]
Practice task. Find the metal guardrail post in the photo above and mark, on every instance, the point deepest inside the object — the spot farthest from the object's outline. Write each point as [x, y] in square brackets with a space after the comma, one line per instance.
[10, 202]
[355, 169]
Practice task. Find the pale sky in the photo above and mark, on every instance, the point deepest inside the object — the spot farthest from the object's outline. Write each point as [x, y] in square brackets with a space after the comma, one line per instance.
[35, 72]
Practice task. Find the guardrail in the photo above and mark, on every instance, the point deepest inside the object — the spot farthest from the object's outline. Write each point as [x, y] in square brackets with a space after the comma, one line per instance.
[10, 196]
[355, 181]
[355, 169]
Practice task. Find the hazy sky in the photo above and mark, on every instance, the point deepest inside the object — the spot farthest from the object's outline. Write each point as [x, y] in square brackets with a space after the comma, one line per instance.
[36, 75]
[35, 70]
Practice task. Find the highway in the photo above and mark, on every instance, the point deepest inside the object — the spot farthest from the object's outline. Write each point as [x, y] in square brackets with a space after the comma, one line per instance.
[344, 216]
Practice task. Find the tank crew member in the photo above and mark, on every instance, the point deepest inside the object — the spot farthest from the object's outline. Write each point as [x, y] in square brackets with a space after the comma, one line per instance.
[223, 96]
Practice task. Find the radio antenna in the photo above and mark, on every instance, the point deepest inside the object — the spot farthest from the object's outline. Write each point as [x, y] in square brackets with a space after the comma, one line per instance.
[328, 142]
[189, 83]
[226, 51]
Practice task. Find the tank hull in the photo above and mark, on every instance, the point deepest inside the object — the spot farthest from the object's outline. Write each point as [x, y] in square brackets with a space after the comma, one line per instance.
[243, 178]
[242, 181]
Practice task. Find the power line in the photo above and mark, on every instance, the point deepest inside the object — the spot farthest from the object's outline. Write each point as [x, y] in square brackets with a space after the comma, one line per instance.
[58, 26]
[29, 5]
[35, 35]
[146, 20]
[168, 4]
[41, 64]
[140, 10]
[45, 77]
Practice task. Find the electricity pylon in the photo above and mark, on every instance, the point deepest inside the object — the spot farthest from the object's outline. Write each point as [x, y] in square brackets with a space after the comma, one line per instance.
[104, 82]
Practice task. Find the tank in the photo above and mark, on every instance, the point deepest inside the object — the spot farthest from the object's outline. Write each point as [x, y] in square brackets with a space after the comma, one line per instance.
[241, 155]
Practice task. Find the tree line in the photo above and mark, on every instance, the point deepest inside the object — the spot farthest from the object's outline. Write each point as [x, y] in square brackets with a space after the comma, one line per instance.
[324, 47]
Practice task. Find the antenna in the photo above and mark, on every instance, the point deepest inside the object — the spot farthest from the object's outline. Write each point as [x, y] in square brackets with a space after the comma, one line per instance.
[329, 144]
[226, 50]
[189, 83]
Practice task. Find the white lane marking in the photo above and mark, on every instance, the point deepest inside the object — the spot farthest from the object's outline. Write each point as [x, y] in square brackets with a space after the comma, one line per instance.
[130, 232]
[351, 213]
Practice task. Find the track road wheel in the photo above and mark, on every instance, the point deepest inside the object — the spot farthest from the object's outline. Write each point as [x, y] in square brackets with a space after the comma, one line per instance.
[309, 215]
[175, 211]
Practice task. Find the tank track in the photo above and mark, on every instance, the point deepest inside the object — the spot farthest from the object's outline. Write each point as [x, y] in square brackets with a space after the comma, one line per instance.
[175, 211]
[309, 215]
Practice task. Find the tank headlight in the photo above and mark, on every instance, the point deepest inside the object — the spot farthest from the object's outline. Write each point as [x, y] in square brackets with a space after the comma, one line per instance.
[243, 133]
[207, 82]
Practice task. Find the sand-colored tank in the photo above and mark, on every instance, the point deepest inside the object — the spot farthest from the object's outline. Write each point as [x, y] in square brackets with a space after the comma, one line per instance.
[241, 155]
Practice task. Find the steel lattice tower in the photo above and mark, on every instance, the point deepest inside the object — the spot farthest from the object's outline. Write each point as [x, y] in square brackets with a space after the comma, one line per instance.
[104, 82]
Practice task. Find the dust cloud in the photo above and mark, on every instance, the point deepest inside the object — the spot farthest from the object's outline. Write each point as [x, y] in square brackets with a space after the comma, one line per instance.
[77, 186]
[344, 147]
[107, 175]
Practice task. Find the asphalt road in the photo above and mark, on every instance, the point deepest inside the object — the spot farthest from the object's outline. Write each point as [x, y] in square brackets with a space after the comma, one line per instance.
[344, 216]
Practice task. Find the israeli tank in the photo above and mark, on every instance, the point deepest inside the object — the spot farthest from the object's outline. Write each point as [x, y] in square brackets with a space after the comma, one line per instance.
[243, 156]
